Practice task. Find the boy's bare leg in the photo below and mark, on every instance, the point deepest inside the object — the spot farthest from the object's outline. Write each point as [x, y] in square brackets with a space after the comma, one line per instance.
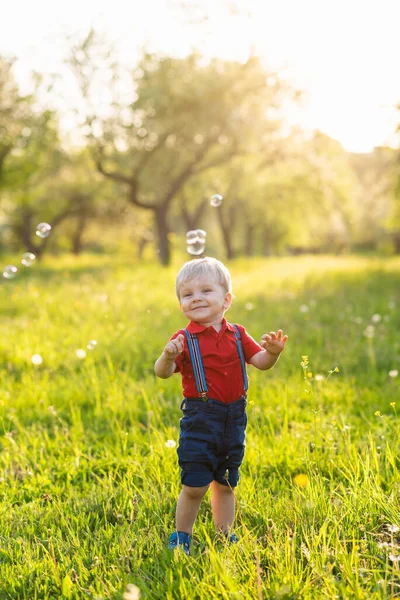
[188, 506]
[223, 506]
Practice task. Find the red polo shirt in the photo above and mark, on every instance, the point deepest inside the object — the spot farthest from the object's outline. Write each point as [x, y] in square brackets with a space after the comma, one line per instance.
[221, 362]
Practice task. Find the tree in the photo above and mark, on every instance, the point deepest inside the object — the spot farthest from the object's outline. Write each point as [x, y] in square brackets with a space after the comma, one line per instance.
[187, 116]
[16, 112]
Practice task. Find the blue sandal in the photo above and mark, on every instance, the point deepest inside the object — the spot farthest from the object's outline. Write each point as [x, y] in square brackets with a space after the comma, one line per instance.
[180, 538]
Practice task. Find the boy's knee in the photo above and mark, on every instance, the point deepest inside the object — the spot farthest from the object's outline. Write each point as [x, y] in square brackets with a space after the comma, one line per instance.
[195, 492]
[221, 488]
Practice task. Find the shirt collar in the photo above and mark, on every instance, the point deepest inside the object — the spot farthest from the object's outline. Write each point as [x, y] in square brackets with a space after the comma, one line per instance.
[194, 327]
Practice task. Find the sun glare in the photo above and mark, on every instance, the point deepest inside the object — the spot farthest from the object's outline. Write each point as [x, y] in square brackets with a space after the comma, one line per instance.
[343, 55]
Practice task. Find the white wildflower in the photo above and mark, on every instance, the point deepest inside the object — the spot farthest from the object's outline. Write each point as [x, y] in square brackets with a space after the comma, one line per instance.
[249, 306]
[393, 373]
[36, 359]
[369, 331]
[170, 443]
[132, 592]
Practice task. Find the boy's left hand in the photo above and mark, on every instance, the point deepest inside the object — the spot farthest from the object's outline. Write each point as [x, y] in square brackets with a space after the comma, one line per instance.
[274, 342]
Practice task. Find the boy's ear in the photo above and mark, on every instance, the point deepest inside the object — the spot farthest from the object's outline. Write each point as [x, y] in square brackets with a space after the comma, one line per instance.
[228, 300]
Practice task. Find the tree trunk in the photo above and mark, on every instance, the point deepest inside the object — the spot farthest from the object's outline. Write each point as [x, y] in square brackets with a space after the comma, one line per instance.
[77, 238]
[142, 243]
[396, 241]
[266, 241]
[249, 243]
[162, 233]
[226, 232]
[192, 219]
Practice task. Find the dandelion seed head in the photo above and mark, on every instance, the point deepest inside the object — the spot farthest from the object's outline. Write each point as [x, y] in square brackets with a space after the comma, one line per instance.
[80, 353]
[303, 308]
[36, 359]
[319, 377]
[376, 318]
[249, 306]
[305, 550]
[170, 443]
[132, 592]
[393, 373]
[369, 331]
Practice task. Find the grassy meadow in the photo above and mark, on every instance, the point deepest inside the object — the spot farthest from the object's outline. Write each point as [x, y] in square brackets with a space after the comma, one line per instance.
[89, 482]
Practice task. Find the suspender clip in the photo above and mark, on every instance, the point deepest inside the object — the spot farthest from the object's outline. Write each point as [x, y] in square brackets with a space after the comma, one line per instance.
[204, 397]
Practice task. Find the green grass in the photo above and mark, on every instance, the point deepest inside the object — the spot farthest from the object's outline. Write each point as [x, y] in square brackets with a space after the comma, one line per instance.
[88, 487]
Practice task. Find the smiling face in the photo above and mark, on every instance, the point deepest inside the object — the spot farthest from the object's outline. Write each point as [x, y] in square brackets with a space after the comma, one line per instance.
[204, 301]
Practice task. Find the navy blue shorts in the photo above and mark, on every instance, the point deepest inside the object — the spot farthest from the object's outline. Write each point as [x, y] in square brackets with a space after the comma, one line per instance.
[212, 441]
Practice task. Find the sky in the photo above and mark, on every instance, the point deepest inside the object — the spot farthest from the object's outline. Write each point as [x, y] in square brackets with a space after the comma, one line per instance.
[344, 54]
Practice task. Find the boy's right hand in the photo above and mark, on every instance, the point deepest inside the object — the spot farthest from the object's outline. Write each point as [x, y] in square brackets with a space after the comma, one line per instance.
[174, 347]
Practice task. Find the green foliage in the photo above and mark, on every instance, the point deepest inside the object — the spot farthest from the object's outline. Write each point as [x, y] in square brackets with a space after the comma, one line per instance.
[88, 486]
[160, 138]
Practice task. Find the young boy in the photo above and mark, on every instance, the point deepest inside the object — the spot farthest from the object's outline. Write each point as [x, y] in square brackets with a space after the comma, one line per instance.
[211, 355]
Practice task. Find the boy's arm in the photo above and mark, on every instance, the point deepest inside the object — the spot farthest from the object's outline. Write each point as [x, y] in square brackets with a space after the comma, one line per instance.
[165, 365]
[273, 345]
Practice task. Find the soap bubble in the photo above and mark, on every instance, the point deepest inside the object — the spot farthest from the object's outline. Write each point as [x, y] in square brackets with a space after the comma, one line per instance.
[43, 230]
[196, 235]
[91, 345]
[195, 241]
[28, 259]
[10, 271]
[201, 235]
[196, 248]
[216, 200]
[80, 353]
[36, 359]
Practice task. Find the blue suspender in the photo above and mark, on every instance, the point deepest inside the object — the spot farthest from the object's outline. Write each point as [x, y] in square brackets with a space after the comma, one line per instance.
[241, 356]
[197, 363]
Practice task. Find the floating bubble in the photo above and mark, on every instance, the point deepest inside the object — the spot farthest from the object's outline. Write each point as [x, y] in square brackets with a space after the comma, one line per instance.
[196, 248]
[91, 345]
[10, 271]
[80, 353]
[36, 359]
[196, 235]
[28, 258]
[191, 235]
[195, 241]
[216, 200]
[43, 230]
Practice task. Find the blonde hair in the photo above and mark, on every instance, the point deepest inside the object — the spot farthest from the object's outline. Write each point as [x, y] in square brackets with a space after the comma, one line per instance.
[204, 266]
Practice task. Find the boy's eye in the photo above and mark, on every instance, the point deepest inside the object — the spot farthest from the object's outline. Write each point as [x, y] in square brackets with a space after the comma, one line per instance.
[207, 290]
[187, 295]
